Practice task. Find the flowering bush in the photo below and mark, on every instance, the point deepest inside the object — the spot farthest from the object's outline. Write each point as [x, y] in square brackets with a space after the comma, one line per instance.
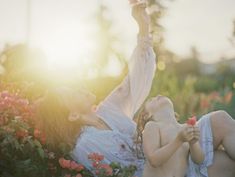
[24, 152]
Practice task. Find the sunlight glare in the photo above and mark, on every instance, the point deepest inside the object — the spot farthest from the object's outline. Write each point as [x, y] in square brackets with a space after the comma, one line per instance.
[68, 49]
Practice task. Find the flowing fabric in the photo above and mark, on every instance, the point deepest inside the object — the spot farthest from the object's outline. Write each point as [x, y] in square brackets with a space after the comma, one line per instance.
[117, 111]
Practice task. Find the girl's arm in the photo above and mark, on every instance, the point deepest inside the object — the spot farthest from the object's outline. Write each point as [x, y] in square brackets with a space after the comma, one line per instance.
[196, 152]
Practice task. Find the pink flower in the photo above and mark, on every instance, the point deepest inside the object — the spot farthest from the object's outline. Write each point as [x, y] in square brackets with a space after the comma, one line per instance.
[96, 157]
[192, 121]
[43, 139]
[95, 164]
[79, 168]
[37, 133]
[73, 165]
[64, 163]
[107, 168]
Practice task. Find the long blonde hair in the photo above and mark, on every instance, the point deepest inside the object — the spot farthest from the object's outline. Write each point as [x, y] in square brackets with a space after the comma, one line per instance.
[142, 118]
[52, 116]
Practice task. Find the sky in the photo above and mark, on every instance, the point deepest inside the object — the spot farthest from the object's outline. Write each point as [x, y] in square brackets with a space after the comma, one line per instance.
[66, 28]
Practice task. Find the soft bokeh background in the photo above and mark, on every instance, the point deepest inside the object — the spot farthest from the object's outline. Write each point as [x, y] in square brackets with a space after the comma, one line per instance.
[46, 43]
[87, 43]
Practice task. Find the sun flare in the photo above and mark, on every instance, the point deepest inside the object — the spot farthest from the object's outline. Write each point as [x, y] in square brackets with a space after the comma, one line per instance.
[68, 48]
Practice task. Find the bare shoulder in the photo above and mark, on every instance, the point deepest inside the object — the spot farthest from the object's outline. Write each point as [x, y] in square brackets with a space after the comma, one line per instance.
[151, 127]
[151, 137]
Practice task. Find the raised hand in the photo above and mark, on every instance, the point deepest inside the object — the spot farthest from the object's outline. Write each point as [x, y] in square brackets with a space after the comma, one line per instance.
[142, 18]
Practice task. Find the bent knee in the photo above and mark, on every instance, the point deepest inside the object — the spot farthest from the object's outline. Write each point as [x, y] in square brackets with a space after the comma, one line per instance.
[220, 117]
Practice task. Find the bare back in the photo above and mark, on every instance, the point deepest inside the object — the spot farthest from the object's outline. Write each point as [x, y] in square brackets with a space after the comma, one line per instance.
[162, 135]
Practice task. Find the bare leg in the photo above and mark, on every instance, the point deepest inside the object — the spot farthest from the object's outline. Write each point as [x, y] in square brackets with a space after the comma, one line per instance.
[222, 165]
[223, 129]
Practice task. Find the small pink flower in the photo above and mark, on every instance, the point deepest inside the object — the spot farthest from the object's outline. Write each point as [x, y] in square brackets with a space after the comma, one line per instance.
[37, 133]
[43, 139]
[73, 165]
[95, 164]
[64, 163]
[80, 168]
[96, 157]
[192, 121]
[107, 168]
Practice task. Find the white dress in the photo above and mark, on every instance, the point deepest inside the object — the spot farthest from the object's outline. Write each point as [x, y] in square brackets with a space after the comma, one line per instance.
[118, 110]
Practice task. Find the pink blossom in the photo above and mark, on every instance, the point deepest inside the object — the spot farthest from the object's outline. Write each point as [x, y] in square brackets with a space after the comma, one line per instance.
[37, 133]
[96, 157]
[64, 163]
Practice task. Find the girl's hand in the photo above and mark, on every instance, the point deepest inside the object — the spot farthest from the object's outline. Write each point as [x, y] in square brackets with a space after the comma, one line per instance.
[186, 134]
[196, 135]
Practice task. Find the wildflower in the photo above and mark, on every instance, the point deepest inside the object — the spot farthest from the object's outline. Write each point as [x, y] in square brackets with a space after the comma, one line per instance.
[107, 168]
[43, 139]
[79, 168]
[95, 164]
[192, 121]
[37, 133]
[64, 163]
[95, 157]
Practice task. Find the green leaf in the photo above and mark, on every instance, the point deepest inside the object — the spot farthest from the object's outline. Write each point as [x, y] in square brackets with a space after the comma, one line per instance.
[41, 153]
[31, 143]
[37, 143]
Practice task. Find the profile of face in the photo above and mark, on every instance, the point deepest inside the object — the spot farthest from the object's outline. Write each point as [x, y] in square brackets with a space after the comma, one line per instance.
[158, 103]
[77, 102]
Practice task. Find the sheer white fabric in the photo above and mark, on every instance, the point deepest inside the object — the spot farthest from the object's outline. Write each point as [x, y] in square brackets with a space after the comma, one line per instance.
[117, 110]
